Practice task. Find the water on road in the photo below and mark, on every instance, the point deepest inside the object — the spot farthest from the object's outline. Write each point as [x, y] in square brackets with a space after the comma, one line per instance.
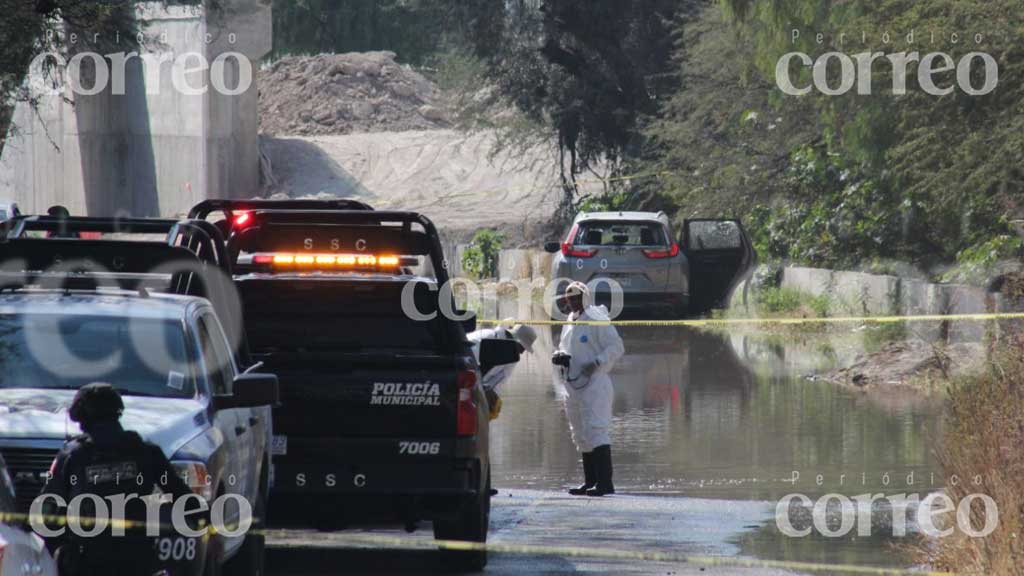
[710, 431]
[732, 419]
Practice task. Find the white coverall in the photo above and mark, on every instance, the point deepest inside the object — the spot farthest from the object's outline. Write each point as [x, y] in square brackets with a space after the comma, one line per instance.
[498, 374]
[589, 403]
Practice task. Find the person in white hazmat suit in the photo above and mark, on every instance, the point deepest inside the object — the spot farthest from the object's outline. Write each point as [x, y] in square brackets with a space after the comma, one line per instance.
[524, 335]
[585, 355]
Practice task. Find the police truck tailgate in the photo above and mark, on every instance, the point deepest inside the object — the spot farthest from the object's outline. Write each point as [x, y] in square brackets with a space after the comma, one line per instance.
[369, 395]
[358, 397]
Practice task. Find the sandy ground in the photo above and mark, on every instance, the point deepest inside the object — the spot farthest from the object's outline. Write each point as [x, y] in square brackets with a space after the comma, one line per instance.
[630, 524]
[454, 178]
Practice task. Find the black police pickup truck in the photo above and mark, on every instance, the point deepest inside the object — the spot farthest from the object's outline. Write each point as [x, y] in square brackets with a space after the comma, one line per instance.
[382, 418]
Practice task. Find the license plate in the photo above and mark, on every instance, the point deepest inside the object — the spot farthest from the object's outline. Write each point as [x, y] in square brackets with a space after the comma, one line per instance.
[279, 447]
[624, 280]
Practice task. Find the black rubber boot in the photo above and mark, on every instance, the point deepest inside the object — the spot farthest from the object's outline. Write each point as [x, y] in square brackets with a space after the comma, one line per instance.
[602, 457]
[589, 476]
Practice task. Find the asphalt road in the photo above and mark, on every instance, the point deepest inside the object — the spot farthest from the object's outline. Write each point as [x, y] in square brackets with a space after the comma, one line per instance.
[596, 536]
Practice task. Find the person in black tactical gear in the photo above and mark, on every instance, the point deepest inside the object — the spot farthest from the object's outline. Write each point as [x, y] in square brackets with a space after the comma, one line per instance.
[61, 213]
[106, 461]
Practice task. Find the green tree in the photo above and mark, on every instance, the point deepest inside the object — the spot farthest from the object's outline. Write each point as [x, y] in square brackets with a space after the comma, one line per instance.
[837, 180]
[480, 259]
[591, 69]
[413, 29]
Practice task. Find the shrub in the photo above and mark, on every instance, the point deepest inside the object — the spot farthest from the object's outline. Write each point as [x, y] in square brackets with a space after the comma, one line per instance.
[983, 433]
[480, 259]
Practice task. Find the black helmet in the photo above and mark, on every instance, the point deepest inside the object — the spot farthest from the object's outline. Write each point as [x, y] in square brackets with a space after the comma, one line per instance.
[96, 403]
[58, 211]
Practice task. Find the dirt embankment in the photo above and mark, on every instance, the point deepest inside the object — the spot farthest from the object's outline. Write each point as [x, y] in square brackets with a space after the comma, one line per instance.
[911, 363]
[362, 125]
[345, 94]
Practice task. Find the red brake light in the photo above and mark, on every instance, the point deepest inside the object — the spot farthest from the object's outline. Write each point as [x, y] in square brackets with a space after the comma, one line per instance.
[242, 219]
[657, 254]
[570, 251]
[573, 252]
[467, 408]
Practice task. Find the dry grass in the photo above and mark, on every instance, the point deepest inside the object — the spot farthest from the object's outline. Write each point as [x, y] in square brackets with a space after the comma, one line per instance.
[984, 439]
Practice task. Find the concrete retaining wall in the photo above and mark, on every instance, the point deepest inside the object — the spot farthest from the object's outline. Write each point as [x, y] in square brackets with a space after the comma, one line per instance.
[856, 293]
[849, 293]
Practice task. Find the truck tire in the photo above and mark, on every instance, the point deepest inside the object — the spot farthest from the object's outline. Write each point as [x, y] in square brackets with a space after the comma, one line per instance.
[212, 566]
[250, 558]
[470, 525]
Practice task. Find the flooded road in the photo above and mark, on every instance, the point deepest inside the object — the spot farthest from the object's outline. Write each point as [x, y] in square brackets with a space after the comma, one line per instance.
[730, 418]
[710, 430]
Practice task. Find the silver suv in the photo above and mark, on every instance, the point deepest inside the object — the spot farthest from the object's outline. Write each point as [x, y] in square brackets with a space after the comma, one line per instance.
[637, 252]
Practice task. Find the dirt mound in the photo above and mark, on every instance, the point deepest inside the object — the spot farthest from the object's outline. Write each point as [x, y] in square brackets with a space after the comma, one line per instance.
[345, 94]
[903, 363]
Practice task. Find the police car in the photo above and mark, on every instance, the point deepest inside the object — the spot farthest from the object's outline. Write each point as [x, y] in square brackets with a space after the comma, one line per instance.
[79, 311]
[382, 417]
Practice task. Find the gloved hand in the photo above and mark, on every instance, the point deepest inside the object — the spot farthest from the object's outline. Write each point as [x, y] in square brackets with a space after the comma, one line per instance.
[560, 358]
[589, 368]
[496, 409]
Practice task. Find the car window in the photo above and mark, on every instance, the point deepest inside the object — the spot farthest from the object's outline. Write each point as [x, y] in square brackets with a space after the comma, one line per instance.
[3, 214]
[216, 355]
[139, 356]
[619, 233]
[715, 235]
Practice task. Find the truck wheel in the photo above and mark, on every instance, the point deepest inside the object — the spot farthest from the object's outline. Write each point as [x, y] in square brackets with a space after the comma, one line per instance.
[470, 525]
[212, 565]
[249, 560]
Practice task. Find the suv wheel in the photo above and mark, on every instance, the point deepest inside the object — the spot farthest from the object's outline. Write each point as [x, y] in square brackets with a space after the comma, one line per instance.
[470, 525]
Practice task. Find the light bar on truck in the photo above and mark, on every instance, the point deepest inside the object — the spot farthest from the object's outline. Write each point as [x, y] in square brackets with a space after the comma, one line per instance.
[308, 261]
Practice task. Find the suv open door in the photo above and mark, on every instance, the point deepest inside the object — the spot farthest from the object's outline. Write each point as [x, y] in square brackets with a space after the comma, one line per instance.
[721, 257]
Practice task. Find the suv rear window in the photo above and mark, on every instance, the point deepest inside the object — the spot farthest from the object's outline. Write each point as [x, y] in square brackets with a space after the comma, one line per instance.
[619, 233]
[66, 352]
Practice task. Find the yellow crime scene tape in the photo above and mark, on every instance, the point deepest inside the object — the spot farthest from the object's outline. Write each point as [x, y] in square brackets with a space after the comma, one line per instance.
[398, 543]
[699, 323]
[344, 540]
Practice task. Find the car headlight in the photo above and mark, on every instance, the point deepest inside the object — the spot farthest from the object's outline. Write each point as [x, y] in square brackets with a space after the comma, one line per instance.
[196, 477]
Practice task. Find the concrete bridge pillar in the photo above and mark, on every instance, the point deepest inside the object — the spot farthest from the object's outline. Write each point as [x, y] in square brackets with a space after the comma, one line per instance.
[169, 138]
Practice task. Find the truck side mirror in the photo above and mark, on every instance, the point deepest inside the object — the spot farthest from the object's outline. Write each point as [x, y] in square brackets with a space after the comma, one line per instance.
[552, 247]
[250, 391]
[497, 352]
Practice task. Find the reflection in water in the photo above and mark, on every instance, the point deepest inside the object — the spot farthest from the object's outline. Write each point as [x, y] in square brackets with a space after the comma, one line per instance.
[707, 415]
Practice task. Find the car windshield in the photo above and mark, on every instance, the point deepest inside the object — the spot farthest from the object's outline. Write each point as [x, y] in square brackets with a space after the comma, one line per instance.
[617, 233]
[138, 356]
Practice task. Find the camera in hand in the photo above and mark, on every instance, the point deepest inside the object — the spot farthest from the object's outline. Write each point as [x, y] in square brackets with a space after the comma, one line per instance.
[562, 359]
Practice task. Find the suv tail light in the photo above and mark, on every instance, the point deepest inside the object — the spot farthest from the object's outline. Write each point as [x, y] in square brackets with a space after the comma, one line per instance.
[467, 409]
[571, 251]
[658, 254]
